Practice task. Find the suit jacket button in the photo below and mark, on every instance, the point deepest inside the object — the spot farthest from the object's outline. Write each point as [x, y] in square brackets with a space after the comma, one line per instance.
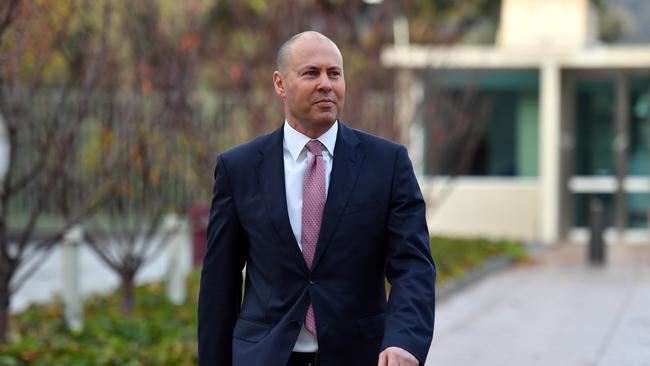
[312, 282]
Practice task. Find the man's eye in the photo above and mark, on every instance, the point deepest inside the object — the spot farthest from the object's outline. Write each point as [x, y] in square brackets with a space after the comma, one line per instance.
[311, 73]
[334, 74]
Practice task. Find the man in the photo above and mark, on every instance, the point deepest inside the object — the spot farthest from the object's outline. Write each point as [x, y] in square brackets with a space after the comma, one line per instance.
[320, 214]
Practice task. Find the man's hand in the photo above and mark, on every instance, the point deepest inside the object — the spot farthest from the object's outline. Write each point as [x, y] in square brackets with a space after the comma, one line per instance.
[395, 356]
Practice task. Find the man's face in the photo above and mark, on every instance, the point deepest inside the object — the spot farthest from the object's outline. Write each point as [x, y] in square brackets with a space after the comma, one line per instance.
[312, 85]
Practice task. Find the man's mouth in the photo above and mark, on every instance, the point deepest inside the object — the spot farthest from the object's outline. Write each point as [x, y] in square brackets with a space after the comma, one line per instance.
[325, 102]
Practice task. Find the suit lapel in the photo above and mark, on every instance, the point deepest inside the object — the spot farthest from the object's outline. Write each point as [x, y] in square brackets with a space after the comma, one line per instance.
[270, 175]
[345, 170]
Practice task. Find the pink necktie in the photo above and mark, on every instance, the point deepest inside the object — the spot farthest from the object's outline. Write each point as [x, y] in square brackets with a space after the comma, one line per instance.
[313, 202]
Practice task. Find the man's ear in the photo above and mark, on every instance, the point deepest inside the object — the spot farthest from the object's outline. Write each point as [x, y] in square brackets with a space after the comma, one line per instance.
[278, 84]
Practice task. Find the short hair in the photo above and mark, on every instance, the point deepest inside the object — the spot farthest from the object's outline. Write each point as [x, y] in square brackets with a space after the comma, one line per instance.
[284, 49]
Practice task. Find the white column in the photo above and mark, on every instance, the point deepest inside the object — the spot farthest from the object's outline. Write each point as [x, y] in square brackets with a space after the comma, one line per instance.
[4, 151]
[417, 134]
[179, 259]
[549, 148]
[72, 298]
[404, 105]
[409, 94]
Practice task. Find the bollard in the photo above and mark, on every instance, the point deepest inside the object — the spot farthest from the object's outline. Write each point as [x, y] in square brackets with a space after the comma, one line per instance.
[72, 298]
[597, 229]
[179, 257]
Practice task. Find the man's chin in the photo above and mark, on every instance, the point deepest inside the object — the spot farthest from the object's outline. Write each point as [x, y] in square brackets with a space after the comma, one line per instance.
[325, 122]
[325, 119]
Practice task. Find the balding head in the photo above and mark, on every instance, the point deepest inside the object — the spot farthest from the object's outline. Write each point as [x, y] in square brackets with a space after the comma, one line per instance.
[285, 50]
[310, 82]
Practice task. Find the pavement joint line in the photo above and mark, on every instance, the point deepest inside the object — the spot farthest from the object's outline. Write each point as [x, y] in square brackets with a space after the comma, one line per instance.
[617, 322]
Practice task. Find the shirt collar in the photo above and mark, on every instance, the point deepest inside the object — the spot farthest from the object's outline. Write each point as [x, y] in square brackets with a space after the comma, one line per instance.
[296, 141]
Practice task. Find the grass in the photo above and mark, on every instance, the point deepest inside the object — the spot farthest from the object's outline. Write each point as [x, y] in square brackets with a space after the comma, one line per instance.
[454, 257]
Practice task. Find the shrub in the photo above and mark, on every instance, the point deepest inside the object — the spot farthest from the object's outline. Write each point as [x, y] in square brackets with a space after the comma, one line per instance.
[453, 257]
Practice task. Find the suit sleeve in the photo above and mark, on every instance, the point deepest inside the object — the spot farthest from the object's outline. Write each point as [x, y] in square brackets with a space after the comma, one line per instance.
[221, 275]
[409, 268]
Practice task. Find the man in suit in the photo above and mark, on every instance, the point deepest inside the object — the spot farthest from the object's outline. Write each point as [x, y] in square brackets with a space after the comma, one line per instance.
[321, 215]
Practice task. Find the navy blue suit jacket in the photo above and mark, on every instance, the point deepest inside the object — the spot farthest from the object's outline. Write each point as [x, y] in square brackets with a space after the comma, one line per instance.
[373, 228]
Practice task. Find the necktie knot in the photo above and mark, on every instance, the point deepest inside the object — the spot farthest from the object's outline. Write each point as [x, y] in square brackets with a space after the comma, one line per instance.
[315, 147]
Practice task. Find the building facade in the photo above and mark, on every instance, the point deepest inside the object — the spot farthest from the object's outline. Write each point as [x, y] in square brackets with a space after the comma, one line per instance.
[562, 119]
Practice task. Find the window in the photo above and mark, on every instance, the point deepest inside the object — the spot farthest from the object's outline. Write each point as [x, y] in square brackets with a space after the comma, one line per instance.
[638, 151]
[482, 124]
[594, 127]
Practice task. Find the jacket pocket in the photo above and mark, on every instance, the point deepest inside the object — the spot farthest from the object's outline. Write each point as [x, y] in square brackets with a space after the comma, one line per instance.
[372, 326]
[361, 206]
[249, 330]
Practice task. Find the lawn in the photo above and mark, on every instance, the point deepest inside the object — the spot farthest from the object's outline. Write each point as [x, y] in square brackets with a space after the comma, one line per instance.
[161, 333]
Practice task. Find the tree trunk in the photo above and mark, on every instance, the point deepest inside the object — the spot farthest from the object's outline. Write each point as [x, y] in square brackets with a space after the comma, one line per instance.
[4, 312]
[127, 293]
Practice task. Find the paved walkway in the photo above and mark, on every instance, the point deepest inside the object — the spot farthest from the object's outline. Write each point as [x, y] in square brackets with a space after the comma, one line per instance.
[555, 311]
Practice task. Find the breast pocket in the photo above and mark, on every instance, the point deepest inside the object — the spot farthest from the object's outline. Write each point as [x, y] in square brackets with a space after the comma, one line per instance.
[256, 219]
[356, 207]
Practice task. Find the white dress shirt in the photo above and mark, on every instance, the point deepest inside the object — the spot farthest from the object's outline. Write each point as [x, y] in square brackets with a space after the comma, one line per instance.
[296, 158]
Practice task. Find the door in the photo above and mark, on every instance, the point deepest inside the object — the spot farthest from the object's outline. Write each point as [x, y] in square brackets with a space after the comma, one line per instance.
[607, 124]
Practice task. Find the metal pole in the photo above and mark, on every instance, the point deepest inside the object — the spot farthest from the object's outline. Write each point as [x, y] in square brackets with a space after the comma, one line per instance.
[597, 228]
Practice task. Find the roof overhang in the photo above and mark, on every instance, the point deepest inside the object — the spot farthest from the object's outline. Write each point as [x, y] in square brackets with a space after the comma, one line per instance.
[477, 57]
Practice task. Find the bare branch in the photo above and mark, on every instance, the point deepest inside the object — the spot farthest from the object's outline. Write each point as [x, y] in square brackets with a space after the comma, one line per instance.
[7, 17]
[35, 264]
[101, 251]
[47, 244]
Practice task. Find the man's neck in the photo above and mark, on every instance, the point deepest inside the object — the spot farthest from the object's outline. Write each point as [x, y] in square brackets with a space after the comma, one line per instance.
[312, 133]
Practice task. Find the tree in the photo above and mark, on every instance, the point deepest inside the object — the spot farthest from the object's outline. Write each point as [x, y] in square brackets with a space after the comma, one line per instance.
[150, 143]
[127, 233]
[42, 115]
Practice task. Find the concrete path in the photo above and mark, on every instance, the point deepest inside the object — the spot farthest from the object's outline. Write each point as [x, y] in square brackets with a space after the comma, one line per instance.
[555, 311]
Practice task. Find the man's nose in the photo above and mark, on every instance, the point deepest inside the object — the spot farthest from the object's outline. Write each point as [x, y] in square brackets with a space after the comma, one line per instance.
[324, 83]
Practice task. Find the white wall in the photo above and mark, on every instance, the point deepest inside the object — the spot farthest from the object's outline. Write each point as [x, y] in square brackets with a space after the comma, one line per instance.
[486, 207]
[546, 24]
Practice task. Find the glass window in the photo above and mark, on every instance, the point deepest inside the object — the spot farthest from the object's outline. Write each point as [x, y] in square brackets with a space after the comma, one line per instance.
[637, 210]
[594, 127]
[638, 162]
[483, 124]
